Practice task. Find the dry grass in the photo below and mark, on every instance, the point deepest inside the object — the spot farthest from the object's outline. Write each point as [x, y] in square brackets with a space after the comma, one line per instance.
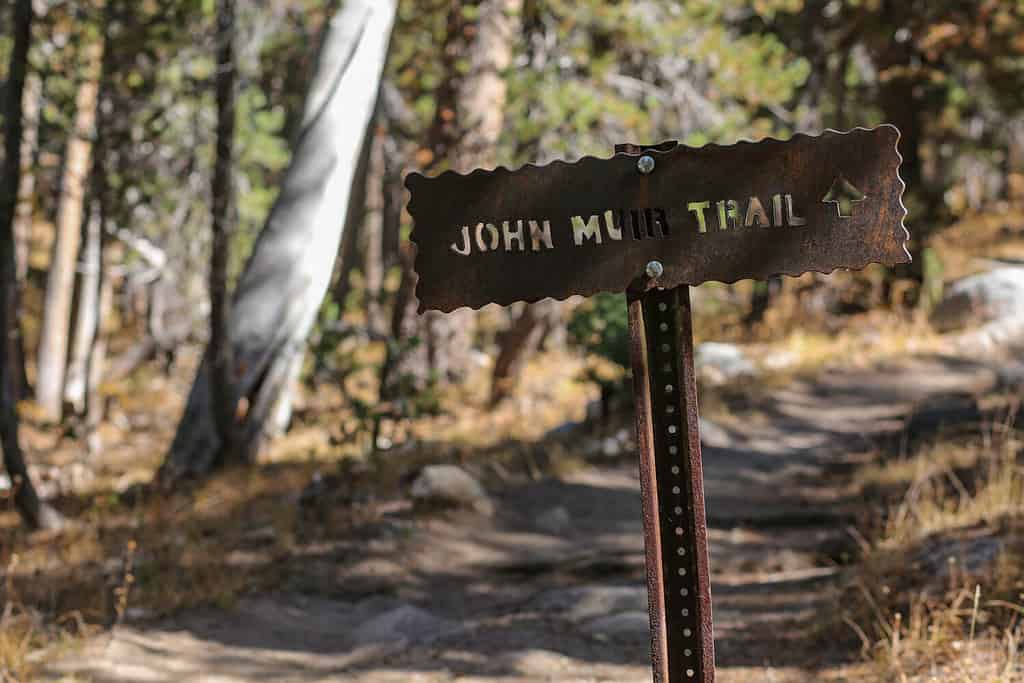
[940, 594]
[951, 640]
[202, 547]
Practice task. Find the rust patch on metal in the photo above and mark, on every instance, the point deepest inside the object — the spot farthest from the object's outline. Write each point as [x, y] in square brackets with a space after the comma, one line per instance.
[749, 210]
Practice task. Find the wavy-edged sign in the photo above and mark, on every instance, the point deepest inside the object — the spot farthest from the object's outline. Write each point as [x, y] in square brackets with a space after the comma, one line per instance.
[749, 210]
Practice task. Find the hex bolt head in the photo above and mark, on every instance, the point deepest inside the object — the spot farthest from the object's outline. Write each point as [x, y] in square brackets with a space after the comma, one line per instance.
[645, 164]
[654, 269]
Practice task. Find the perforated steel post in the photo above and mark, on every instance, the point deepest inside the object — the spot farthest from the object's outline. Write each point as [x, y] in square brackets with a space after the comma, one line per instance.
[671, 480]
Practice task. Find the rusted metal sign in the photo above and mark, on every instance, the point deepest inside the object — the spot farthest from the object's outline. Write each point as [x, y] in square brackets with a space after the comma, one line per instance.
[651, 221]
[749, 210]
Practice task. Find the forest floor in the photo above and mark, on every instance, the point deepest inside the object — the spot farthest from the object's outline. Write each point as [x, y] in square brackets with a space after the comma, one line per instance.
[550, 587]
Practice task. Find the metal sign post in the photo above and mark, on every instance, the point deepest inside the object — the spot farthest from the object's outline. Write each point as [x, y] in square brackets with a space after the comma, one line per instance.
[671, 478]
[651, 221]
[672, 486]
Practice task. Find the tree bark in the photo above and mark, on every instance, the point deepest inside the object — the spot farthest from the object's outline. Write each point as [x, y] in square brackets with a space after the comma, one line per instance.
[86, 314]
[26, 192]
[54, 332]
[355, 215]
[392, 202]
[404, 364]
[94, 404]
[220, 351]
[522, 338]
[24, 213]
[33, 511]
[484, 91]
[281, 288]
[373, 225]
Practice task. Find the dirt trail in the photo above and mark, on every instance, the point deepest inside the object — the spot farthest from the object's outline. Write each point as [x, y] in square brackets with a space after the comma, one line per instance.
[551, 588]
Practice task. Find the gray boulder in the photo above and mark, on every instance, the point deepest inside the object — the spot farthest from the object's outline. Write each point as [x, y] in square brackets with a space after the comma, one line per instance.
[718, 363]
[987, 297]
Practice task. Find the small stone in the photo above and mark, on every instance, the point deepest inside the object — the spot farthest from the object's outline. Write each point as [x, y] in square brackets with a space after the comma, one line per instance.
[611, 447]
[555, 521]
[450, 486]
[406, 623]
[583, 603]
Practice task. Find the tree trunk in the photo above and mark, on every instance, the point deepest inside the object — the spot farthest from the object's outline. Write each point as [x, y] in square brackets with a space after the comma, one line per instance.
[281, 288]
[403, 321]
[26, 191]
[24, 213]
[348, 251]
[373, 244]
[94, 404]
[762, 295]
[484, 91]
[404, 365]
[220, 350]
[53, 336]
[525, 335]
[33, 511]
[391, 202]
[86, 314]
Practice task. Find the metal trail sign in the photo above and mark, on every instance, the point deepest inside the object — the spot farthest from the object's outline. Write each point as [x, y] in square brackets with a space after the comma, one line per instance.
[651, 221]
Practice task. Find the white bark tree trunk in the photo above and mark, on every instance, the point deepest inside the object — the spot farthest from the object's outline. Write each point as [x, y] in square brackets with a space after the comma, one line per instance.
[60, 282]
[86, 315]
[280, 291]
[95, 367]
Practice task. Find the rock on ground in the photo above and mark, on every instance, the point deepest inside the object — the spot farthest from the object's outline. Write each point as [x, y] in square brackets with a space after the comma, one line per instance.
[582, 603]
[405, 623]
[983, 298]
[717, 363]
[450, 486]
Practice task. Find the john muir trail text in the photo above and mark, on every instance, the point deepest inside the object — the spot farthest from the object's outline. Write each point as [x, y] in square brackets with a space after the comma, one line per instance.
[615, 225]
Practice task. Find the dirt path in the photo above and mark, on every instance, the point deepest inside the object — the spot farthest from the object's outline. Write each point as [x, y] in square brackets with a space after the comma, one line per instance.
[551, 588]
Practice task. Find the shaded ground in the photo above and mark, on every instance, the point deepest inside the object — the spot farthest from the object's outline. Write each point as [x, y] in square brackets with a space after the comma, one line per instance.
[551, 587]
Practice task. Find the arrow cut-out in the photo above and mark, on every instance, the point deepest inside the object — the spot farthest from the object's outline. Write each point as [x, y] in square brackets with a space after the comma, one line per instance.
[843, 194]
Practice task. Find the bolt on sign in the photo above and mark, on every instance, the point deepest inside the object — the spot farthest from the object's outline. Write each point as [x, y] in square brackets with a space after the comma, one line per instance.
[651, 221]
